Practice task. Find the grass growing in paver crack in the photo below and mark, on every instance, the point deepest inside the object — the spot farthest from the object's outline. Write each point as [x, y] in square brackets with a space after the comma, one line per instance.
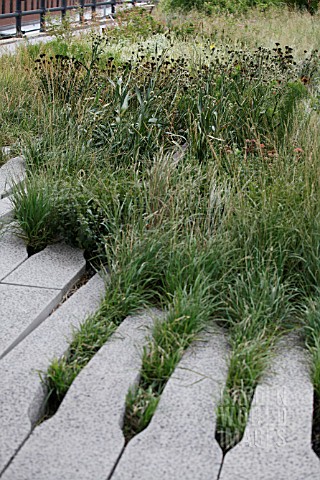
[259, 310]
[188, 312]
[227, 232]
[126, 294]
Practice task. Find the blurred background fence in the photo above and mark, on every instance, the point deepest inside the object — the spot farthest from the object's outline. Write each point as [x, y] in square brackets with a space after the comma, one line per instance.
[16, 16]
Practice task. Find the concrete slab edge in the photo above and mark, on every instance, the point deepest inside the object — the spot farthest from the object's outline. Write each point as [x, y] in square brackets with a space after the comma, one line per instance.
[21, 404]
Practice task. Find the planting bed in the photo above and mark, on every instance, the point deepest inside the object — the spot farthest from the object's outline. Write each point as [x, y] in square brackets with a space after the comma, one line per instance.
[182, 154]
[85, 437]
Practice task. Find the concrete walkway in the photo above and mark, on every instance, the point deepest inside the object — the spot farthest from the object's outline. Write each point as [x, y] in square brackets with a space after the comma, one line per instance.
[180, 440]
[31, 288]
[277, 440]
[84, 439]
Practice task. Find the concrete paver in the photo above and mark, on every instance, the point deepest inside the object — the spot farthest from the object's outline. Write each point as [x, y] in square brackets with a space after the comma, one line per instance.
[57, 266]
[21, 391]
[34, 287]
[6, 209]
[277, 440]
[12, 172]
[13, 252]
[84, 438]
[22, 309]
[180, 441]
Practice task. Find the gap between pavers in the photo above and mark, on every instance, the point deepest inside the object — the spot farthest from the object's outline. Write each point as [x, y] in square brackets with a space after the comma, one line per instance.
[13, 252]
[180, 441]
[21, 391]
[6, 209]
[22, 309]
[277, 441]
[84, 438]
[57, 266]
[11, 173]
[34, 289]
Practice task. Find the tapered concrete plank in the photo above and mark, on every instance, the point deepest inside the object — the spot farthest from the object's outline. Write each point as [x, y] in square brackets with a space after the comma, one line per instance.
[21, 310]
[180, 441]
[21, 392]
[84, 438]
[277, 440]
[57, 266]
[12, 172]
[13, 252]
[6, 209]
